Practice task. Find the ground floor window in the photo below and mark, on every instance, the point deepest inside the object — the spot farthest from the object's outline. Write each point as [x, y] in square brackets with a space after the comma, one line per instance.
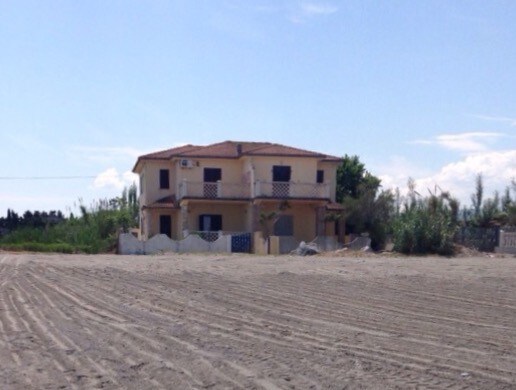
[210, 222]
[210, 225]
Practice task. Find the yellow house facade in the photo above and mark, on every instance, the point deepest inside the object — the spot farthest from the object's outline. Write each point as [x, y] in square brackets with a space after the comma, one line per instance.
[237, 187]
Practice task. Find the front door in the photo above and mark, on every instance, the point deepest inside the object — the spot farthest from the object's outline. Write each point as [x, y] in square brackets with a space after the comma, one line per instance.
[284, 226]
[165, 225]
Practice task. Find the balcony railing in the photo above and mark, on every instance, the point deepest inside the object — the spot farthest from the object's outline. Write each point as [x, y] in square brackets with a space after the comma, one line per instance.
[289, 190]
[260, 189]
[217, 190]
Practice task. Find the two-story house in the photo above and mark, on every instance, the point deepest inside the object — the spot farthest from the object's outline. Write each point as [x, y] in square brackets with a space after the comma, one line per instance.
[235, 187]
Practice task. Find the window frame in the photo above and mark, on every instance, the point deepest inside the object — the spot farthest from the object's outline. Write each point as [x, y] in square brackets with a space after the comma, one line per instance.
[164, 179]
[319, 176]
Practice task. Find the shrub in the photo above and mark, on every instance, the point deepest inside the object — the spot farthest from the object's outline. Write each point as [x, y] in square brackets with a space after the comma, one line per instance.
[94, 231]
[426, 226]
[41, 247]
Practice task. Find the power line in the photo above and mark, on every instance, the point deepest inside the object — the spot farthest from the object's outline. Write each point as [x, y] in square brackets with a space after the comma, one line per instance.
[45, 177]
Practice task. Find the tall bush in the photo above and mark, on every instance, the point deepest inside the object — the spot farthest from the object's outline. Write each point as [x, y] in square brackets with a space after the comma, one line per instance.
[426, 225]
[367, 208]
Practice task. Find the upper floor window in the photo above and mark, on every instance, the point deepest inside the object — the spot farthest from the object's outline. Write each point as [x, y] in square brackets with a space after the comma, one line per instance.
[212, 175]
[320, 176]
[281, 173]
[164, 179]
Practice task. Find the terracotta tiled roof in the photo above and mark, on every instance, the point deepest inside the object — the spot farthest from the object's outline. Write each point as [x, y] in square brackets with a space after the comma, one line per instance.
[164, 203]
[234, 149]
[169, 153]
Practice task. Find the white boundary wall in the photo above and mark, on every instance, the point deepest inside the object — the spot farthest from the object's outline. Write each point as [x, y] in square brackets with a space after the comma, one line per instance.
[507, 243]
[160, 243]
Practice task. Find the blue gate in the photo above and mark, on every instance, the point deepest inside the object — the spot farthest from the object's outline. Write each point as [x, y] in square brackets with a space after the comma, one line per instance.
[241, 243]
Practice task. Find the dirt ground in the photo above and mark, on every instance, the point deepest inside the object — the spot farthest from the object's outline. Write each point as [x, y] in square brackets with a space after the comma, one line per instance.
[248, 322]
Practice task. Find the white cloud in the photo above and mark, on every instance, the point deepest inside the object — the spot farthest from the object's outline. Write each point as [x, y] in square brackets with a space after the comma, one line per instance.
[310, 9]
[498, 168]
[306, 10]
[129, 177]
[504, 119]
[110, 178]
[475, 141]
[395, 172]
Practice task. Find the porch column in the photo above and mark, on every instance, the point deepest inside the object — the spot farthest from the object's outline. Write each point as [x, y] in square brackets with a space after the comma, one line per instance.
[320, 227]
[255, 218]
[184, 220]
[145, 224]
[342, 229]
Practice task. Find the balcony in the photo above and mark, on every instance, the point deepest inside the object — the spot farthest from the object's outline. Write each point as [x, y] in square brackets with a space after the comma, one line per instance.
[217, 190]
[260, 189]
[288, 190]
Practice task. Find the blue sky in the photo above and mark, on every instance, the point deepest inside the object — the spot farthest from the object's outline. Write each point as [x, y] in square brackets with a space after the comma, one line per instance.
[415, 89]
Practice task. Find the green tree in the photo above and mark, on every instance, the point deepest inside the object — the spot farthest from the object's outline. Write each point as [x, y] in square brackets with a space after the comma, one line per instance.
[350, 174]
[477, 197]
[488, 212]
[367, 208]
[95, 230]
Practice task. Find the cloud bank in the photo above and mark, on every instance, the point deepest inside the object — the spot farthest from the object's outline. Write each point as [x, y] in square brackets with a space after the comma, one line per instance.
[498, 169]
[112, 179]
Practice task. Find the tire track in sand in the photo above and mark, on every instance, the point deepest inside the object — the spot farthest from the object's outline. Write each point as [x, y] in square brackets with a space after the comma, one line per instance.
[265, 325]
[226, 332]
[51, 330]
[118, 325]
[416, 361]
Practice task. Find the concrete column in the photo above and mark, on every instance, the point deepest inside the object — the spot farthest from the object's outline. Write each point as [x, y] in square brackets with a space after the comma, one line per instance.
[255, 218]
[320, 213]
[184, 220]
[145, 224]
[342, 230]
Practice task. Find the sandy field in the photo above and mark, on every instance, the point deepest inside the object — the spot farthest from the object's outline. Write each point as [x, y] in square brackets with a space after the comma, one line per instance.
[248, 322]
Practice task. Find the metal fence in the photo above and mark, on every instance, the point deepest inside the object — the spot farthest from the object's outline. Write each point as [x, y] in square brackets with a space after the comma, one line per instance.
[482, 239]
[240, 241]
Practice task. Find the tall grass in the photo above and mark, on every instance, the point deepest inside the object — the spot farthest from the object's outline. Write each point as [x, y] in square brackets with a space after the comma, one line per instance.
[94, 231]
[427, 225]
